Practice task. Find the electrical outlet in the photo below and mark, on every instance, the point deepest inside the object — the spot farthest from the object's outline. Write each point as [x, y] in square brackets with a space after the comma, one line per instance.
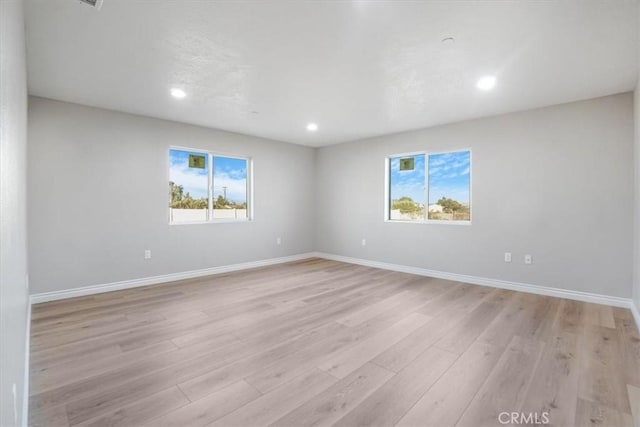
[364, 242]
[528, 259]
[278, 241]
[507, 257]
[147, 254]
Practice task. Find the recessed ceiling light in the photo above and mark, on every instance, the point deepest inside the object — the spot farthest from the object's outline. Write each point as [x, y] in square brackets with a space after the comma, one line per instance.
[486, 83]
[178, 93]
[312, 127]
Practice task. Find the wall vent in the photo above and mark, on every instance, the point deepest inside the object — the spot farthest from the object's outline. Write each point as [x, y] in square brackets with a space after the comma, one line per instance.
[94, 3]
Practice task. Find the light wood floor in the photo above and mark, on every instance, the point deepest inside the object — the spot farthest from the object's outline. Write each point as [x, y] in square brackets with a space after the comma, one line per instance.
[319, 342]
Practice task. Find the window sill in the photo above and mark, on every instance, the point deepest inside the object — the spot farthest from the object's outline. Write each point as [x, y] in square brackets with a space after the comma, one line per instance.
[433, 221]
[217, 221]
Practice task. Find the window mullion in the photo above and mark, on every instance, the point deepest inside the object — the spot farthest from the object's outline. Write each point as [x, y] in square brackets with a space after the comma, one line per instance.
[210, 187]
[388, 189]
[426, 186]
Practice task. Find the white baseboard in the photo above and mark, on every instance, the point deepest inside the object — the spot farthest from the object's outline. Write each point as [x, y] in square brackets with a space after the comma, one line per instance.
[146, 281]
[25, 386]
[496, 283]
[636, 314]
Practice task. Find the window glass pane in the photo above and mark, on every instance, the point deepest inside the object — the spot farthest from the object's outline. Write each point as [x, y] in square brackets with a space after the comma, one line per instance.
[229, 188]
[188, 186]
[449, 186]
[407, 188]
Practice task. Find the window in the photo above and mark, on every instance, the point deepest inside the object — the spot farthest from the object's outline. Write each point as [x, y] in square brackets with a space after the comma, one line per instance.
[424, 187]
[207, 187]
[407, 188]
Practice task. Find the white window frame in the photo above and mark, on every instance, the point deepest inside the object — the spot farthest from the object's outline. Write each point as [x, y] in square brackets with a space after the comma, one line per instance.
[210, 155]
[426, 220]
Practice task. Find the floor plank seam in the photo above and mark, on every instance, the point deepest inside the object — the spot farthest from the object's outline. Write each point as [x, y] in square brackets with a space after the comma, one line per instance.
[253, 386]
[431, 386]
[382, 367]
[184, 394]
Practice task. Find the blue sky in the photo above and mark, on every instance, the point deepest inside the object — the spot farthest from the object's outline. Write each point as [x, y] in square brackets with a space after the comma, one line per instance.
[194, 181]
[448, 176]
[228, 172]
[408, 183]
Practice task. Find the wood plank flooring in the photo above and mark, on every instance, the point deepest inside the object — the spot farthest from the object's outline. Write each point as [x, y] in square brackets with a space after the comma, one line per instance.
[318, 343]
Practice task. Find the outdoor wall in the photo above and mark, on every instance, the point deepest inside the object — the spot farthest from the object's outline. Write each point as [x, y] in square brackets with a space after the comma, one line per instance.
[98, 194]
[13, 215]
[554, 182]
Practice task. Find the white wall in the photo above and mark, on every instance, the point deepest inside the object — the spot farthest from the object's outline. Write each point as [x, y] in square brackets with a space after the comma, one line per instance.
[552, 182]
[636, 238]
[636, 156]
[98, 189]
[13, 215]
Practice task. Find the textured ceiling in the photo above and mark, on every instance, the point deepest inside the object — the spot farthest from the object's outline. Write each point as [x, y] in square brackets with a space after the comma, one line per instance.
[356, 68]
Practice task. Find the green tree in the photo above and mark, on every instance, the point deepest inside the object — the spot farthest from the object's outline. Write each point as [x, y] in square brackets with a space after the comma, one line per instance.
[180, 200]
[406, 205]
[176, 192]
[452, 206]
[221, 203]
[187, 201]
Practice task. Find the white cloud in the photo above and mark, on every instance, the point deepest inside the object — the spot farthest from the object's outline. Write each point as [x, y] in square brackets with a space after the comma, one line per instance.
[192, 181]
[415, 190]
[236, 188]
[449, 167]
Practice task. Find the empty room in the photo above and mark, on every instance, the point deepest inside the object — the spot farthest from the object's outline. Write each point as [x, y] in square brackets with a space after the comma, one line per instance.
[319, 213]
